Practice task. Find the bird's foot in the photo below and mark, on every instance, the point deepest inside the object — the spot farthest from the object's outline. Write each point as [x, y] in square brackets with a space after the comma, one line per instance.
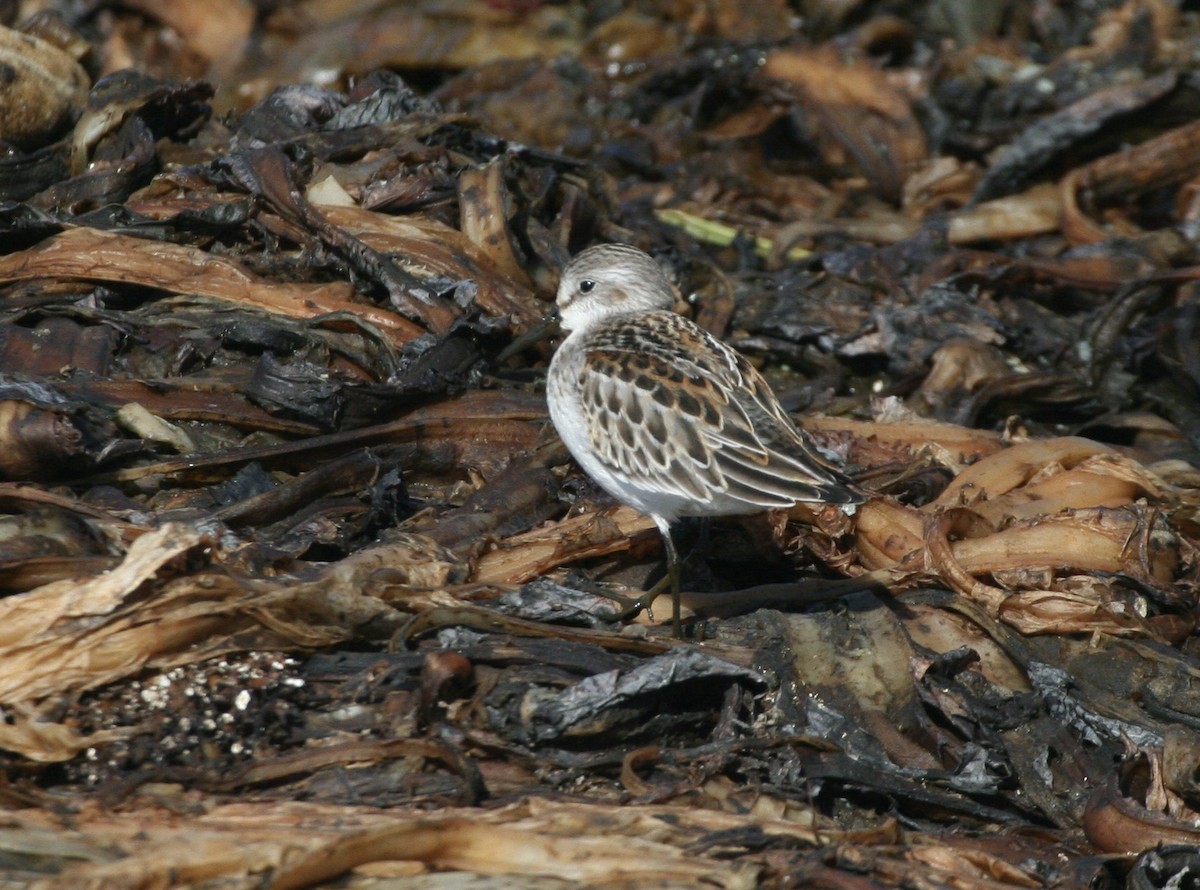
[631, 607]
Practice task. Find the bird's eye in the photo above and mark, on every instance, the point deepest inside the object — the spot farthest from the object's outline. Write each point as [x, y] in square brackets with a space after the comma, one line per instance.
[587, 286]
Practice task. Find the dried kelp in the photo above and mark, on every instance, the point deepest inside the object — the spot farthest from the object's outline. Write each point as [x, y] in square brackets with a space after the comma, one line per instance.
[301, 587]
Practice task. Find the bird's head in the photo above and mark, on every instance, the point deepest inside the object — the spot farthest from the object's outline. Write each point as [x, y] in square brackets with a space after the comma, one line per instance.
[610, 280]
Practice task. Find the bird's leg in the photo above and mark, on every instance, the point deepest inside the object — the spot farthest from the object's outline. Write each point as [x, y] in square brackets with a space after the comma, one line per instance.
[673, 572]
[671, 579]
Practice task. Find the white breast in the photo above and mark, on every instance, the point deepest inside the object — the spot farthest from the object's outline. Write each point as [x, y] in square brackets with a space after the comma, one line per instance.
[562, 398]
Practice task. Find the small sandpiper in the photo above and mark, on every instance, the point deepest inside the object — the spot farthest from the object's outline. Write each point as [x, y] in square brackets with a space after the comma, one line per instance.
[664, 416]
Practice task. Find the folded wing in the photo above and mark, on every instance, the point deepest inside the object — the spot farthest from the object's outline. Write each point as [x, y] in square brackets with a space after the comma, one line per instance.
[675, 411]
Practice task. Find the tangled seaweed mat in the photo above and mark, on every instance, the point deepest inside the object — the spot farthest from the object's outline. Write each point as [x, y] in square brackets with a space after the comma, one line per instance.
[1065, 525]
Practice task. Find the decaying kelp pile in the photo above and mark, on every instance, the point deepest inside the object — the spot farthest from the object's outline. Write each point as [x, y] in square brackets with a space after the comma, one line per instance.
[300, 584]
